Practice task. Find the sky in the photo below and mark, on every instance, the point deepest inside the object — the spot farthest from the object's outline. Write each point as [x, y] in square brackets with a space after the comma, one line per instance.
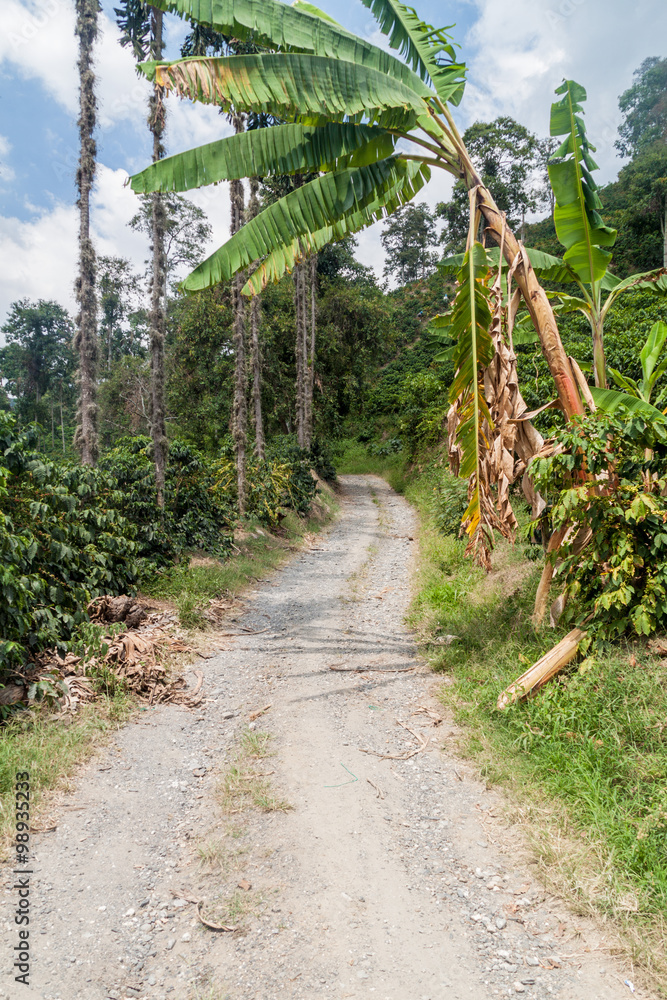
[517, 52]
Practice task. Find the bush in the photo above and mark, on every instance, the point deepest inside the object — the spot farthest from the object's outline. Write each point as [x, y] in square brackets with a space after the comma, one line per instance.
[63, 541]
[449, 503]
[197, 514]
[621, 575]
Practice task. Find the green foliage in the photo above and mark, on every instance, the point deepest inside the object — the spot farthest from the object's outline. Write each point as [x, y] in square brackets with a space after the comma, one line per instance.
[506, 154]
[621, 575]
[63, 541]
[644, 108]
[38, 364]
[449, 503]
[197, 515]
[422, 407]
[578, 222]
[408, 238]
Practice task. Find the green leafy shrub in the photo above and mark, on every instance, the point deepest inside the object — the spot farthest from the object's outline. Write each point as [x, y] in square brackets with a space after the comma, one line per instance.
[63, 541]
[197, 514]
[449, 503]
[384, 448]
[621, 575]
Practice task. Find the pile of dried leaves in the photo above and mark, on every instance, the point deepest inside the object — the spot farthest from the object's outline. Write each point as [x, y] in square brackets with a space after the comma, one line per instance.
[133, 655]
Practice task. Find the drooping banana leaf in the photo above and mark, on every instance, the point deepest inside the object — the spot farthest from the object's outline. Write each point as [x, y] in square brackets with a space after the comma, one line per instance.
[276, 25]
[651, 351]
[470, 322]
[310, 8]
[579, 226]
[308, 209]
[610, 400]
[283, 149]
[430, 51]
[390, 197]
[546, 266]
[287, 84]
[655, 280]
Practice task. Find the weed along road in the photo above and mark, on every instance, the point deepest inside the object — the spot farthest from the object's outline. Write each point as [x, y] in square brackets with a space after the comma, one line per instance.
[305, 832]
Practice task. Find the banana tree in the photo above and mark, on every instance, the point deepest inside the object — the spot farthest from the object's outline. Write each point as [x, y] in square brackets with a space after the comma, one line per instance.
[581, 230]
[371, 125]
[651, 370]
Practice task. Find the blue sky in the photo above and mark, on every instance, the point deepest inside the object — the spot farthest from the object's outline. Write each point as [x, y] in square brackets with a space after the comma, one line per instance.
[517, 53]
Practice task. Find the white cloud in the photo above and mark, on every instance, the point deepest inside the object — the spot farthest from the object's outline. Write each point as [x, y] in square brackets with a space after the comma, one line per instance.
[7, 173]
[40, 255]
[522, 51]
[38, 39]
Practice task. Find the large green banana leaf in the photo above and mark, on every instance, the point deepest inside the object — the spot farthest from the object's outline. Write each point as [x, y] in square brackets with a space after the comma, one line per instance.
[276, 25]
[470, 323]
[609, 400]
[283, 149]
[287, 84]
[388, 199]
[316, 205]
[579, 226]
[428, 50]
[546, 266]
[655, 280]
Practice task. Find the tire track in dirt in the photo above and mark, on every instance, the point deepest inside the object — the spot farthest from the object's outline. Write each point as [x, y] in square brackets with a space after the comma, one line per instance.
[386, 879]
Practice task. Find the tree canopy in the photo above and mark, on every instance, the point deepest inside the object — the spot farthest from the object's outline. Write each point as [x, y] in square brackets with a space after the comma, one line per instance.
[644, 108]
[408, 238]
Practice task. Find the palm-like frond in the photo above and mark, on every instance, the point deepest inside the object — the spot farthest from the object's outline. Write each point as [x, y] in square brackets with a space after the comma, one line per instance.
[276, 25]
[283, 259]
[579, 225]
[316, 205]
[287, 84]
[430, 51]
[283, 149]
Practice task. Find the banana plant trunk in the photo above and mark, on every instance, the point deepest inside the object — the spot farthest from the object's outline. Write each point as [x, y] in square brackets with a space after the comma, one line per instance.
[544, 321]
[599, 363]
[535, 297]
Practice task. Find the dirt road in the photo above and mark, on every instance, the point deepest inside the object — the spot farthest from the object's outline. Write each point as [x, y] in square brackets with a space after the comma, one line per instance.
[389, 877]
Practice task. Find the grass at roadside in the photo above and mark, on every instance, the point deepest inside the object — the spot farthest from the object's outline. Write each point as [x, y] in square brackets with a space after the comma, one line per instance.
[353, 458]
[49, 748]
[585, 761]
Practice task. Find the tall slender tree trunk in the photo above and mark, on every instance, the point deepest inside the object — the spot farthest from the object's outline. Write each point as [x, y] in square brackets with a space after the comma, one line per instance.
[85, 339]
[157, 318]
[311, 264]
[62, 422]
[255, 319]
[240, 409]
[300, 343]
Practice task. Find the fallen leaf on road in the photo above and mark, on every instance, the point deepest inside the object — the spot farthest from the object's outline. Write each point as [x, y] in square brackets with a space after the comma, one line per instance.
[244, 884]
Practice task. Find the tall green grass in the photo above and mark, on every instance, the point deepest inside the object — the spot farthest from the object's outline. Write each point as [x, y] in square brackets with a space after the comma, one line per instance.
[586, 758]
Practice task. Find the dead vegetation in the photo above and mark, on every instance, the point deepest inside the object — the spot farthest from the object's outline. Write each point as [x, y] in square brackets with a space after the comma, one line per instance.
[134, 655]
